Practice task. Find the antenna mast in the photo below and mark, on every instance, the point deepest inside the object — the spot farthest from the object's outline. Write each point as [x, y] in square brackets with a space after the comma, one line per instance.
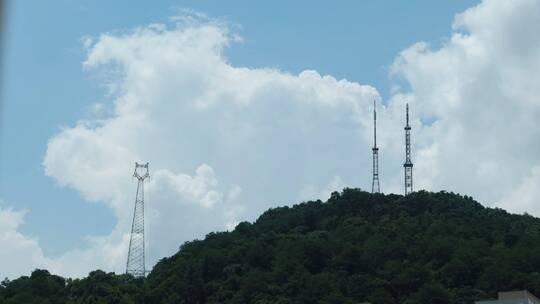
[408, 165]
[135, 261]
[375, 188]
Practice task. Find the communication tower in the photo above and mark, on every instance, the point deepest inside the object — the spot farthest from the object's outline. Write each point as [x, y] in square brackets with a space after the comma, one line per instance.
[408, 165]
[375, 188]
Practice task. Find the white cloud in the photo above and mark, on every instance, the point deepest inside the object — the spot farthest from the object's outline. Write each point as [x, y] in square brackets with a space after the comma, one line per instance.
[481, 89]
[225, 142]
[19, 254]
[526, 196]
[252, 136]
[312, 192]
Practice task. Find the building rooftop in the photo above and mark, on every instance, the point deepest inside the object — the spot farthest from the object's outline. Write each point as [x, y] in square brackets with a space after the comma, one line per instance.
[513, 297]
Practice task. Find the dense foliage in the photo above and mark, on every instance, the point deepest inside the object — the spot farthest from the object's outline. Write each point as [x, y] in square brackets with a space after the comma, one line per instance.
[44, 288]
[422, 248]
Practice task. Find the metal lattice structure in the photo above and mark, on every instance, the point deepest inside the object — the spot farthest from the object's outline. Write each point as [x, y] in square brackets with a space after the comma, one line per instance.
[408, 165]
[375, 188]
[135, 261]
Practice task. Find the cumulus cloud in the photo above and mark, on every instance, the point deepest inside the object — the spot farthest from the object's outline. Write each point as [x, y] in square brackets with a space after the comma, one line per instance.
[226, 142]
[20, 253]
[480, 91]
[312, 192]
[526, 196]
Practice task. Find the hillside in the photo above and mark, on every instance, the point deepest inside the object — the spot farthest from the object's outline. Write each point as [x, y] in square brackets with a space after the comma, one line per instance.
[423, 248]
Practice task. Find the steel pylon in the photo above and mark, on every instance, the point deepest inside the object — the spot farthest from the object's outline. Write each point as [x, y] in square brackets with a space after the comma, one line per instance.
[135, 261]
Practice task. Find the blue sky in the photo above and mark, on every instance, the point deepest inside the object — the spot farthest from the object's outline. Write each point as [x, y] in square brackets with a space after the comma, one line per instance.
[47, 90]
[46, 87]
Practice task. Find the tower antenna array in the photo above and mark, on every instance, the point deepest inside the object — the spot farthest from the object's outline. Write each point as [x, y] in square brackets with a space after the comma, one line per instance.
[375, 188]
[408, 165]
[135, 261]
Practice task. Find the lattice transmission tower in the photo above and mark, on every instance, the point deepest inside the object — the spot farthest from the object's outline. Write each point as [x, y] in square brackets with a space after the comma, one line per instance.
[135, 261]
[408, 165]
[375, 188]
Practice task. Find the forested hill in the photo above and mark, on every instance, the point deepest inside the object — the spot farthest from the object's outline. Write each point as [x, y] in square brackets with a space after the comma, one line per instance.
[356, 247]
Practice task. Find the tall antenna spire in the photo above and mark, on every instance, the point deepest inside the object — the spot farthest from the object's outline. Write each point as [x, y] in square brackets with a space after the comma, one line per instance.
[375, 188]
[408, 165]
[135, 261]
